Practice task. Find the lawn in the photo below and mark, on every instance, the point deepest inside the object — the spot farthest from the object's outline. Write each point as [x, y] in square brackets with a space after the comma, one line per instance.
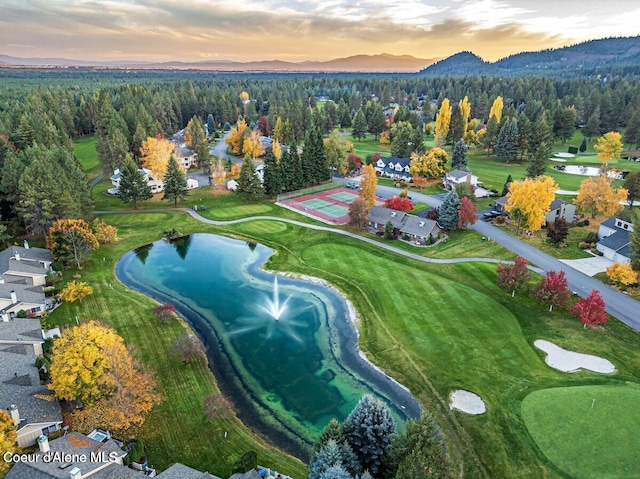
[604, 419]
[85, 150]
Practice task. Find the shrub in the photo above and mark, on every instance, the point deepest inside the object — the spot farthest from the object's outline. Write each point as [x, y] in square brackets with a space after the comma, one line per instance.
[21, 314]
[580, 223]
[248, 461]
[165, 311]
[500, 220]
[135, 452]
[584, 245]
[592, 237]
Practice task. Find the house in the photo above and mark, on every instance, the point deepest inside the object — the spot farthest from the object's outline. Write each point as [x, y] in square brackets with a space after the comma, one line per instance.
[76, 456]
[456, 177]
[32, 406]
[379, 215]
[154, 183]
[23, 274]
[615, 243]
[394, 168]
[561, 209]
[499, 204]
[185, 157]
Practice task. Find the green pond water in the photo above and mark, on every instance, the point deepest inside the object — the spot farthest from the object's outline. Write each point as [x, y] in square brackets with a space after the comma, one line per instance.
[287, 377]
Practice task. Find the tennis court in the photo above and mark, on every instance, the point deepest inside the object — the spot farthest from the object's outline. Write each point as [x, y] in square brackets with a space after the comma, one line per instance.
[344, 196]
[331, 209]
[330, 206]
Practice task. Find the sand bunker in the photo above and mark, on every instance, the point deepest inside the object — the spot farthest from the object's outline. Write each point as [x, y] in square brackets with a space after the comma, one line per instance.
[466, 401]
[564, 155]
[569, 361]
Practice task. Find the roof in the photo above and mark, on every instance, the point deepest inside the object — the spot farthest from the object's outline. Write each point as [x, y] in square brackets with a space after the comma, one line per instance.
[618, 242]
[180, 471]
[252, 474]
[380, 215]
[423, 227]
[557, 204]
[501, 201]
[19, 378]
[395, 160]
[457, 174]
[80, 446]
[609, 223]
[183, 152]
[31, 260]
[25, 293]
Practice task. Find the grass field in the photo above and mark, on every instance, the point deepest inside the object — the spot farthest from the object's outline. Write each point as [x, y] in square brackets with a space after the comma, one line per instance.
[85, 150]
[604, 418]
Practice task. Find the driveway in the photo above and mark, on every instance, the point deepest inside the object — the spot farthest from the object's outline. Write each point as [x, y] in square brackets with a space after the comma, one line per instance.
[589, 266]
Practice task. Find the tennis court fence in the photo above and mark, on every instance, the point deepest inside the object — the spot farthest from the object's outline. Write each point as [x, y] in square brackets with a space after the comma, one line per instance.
[308, 191]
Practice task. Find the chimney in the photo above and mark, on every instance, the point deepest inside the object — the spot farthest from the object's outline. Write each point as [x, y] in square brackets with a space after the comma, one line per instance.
[17, 256]
[14, 297]
[43, 443]
[75, 473]
[469, 177]
[26, 244]
[5, 317]
[15, 414]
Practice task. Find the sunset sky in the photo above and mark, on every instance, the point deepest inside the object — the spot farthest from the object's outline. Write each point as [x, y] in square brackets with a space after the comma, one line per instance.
[297, 30]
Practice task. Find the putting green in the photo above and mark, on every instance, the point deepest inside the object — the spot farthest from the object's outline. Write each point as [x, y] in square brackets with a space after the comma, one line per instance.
[587, 431]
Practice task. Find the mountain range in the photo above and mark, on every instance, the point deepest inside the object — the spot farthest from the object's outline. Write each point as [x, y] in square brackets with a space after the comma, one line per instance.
[383, 62]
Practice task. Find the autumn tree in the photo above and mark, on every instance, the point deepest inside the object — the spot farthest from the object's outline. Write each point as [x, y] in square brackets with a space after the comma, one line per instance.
[155, 153]
[552, 289]
[252, 145]
[496, 109]
[75, 291]
[134, 186]
[189, 348]
[590, 310]
[105, 233]
[622, 274]
[467, 212]
[514, 277]
[237, 136]
[335, 148]
[71, 240]
[609, 147]
[429, 165]
[216, 406]
[528, 201]
[368, 186]
[400, 204]
[597, 194]
[557, 231]
[358, 213]
[443, 119]
[8, 438]
[175, 183]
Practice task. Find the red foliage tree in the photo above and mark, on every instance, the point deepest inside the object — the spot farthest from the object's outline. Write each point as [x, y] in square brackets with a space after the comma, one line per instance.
[553, 289]
[264, 125]
[354, 162]
[513, 277]
[419, 182]
[400, 204]
[590, 310]
[467, 212]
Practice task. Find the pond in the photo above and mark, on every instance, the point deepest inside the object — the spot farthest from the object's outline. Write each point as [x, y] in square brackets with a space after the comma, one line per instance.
[284, 350]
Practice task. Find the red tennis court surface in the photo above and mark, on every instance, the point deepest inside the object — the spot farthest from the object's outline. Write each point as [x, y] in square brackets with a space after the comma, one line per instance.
[331, 206]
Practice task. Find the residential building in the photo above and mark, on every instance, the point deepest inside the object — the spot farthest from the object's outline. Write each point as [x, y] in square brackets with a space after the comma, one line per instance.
[415, 227]
[456, 177]
[154, 183]
[615, 243]
[32, 406]
[394, 168]
[561, 209]
[185, 157]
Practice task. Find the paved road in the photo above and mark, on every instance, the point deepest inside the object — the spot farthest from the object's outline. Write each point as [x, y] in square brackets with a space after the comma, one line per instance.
[618, 304]
[220, 150]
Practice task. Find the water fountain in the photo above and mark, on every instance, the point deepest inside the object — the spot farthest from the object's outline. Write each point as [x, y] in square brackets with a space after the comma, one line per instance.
[273, 307]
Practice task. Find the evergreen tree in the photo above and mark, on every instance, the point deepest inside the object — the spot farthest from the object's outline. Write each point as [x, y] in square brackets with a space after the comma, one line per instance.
[272, 174]
[175, 183]
[524, 132]
[359, 130]
[449, 213]
[490, 135]
[26, 133]
[632, 132]
[592, 127]
[38, 194]
[332, 430]
[315, 166]
[564, 123]
[459, 155]
[538, 160]
[248, 182]
[540, 147]
[634, 237]
[211, 124]
[370, 429]
[331, 455]
[583, 145]
[401, 144]
[632, 185]
[336, 472]
[344, 115]
[507, 143]
[505, 188]
[457, 126]
[377, 122]
[133, 185]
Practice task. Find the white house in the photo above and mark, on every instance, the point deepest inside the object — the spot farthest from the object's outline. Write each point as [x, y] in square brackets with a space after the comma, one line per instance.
[155, 184]
[456, 177]
[394, 168]
[615, 243]
[561, 209]
[185, 157]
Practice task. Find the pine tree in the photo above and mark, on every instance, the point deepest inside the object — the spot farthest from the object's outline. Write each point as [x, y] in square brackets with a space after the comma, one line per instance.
[507, 143]
[211, 124]
[370, 429]
[248, 182]
[449, 213]
[459, 156]
[632, 131]
[272, 174]
[133, 185]
[592, 127]
[634, 237]
[175, 183]
[456, 126]
[505, 188]
[315, 166]
[583, 145]
[359, 130]
[377, 122]
[490, 135]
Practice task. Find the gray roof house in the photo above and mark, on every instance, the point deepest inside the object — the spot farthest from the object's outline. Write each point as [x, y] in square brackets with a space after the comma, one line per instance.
[615, 243]
[561, 209]
[23, 274]
[89, 458]
[379, 215]
[415, 226]
[33, 408]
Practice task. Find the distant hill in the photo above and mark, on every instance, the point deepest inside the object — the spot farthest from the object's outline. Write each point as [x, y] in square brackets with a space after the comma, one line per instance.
[592, 57]
[357, 63]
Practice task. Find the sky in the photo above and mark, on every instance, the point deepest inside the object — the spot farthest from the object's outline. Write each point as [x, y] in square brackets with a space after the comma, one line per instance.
[298, 30]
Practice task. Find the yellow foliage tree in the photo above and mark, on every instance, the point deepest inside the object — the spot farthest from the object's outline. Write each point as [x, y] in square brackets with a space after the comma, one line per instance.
[368, 185]
[218, 172]
[385, 137]
[75, 291]
[155, 153]
[71, 240]
[465, 113]
[277, 149]
[529, 201]
[234, 172]
[443, 119]
[91, 364]
[252, 145]
[432, 164]
[244, 96]
[597, 194]
[236, 137]
[8, 438]
[104, 232]
[496, 109]
[609, 146]
[622, 273]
